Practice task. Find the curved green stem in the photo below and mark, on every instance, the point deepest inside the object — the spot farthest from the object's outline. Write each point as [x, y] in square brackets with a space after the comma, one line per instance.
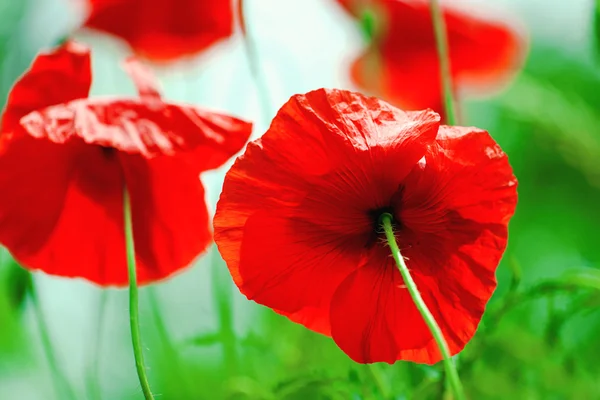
[441, 40]
[59, 379]
[378, 380]
[133, 299]
[94, 367]
[386, 221]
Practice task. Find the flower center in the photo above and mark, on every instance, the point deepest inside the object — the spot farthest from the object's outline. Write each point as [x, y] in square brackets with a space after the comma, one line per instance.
[377, 234]
[375, 216]
[108, 152]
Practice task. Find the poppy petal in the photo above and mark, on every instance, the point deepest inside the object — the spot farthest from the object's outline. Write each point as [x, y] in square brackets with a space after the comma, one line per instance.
[138, 127]
[483, 166]
[402, 63]
[295, 277]
[163, 30]
[169, 214]
[55, 77]
[76, 190]
[458, 234]
[373, 318]
[62, 211]
[33, 192]
[283, 201]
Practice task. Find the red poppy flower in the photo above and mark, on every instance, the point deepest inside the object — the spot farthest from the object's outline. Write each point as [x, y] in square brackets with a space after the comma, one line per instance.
[163, 30]
[297, 222]
[401, 64]
[65, 159]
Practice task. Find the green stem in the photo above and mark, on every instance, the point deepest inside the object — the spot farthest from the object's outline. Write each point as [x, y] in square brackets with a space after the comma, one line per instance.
[133, 299]
[386, 221]
[93, 372]
[59, 379]
[441, 41]
[254, 65]
[378, 380]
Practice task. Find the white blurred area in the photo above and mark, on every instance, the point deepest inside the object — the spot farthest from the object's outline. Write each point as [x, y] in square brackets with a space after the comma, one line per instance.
[302, 45]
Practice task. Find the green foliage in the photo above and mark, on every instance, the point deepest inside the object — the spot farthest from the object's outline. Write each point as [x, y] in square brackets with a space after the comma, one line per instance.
[368, 24]
[18, 284]
[596, 26]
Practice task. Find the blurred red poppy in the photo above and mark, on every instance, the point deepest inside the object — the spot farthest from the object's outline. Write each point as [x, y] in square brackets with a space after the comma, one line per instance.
[297, 222]
[401, 64]
[163, 30]
[65, 159]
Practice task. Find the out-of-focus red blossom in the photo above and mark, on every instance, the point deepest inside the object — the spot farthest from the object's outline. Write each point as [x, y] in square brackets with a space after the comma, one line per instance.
[297, 222]
[401, 64]
[65, 159]
[163, 30]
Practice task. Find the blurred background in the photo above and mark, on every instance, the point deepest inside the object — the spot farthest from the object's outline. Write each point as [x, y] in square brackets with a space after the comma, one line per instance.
[540, 336]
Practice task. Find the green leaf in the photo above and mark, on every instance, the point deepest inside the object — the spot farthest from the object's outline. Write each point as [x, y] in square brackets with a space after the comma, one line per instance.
[586, 278]
[205, 340]
[19, 284]
[368, 24]
[313, 386]
[566, 118]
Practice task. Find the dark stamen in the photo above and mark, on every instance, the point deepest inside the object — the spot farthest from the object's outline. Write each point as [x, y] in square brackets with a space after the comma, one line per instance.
[107, 152]
[376, 214]
[377, 233]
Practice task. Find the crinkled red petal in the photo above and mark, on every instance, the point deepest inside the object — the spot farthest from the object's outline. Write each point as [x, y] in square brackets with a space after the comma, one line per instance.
[55, 77]
[287, 265]
[63, 213]
[71, 151]
[403, 67]
[146, 128]
[295, 207]
[373, 318]
[454, 211]
[62, 210]
[170, 218]
[163, 30]
[65, 167]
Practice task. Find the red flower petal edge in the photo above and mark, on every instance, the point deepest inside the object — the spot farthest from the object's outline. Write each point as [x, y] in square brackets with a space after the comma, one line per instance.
[297, 222]
[401, 64]
[65, 162]
[163, 30]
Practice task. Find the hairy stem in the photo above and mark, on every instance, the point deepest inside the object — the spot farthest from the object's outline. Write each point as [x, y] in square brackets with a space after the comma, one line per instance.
[386, 222]
[133, 299]
[441, 41]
